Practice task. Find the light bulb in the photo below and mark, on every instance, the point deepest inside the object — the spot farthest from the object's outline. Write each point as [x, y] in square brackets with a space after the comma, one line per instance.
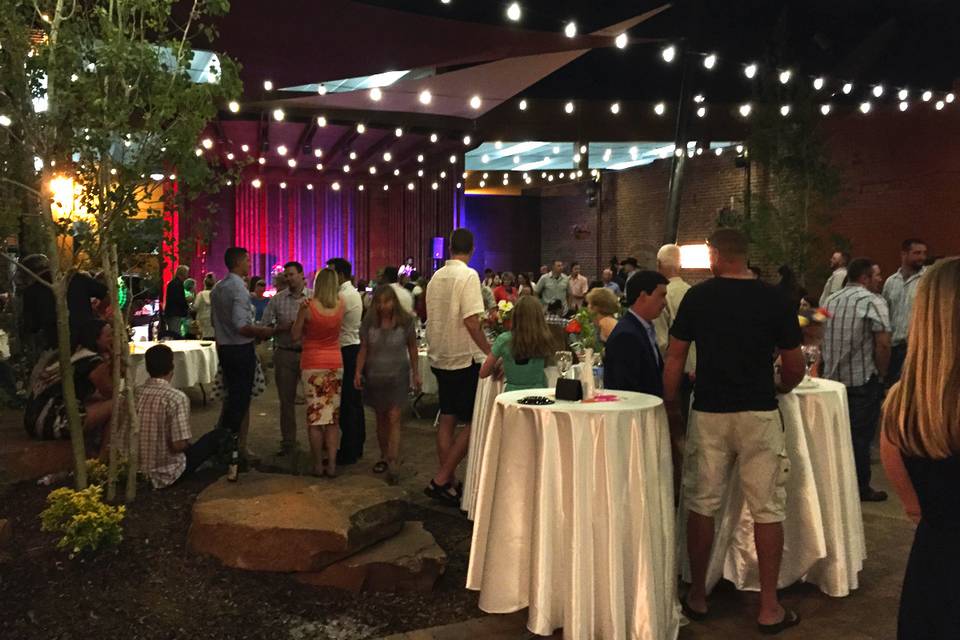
[466, 141]
[234, 106]
[434, 137]
[321, 121]
[701, 112]
[376, 94]
[283, 185]
[282, 150]
[387, 156]
[453, 159]
[386, 187]
[398, 132]
[498, 145]
[739, 148]
[659, 108]
[396, 172]
[710, 61]
[319, 166]
[568, 108]
[361, 128]
[278, 115]
[426, 97]
[420, 173]
[475, 102]
[261, 160]
[668, 53]
[482, 184]
[434, 186]
[745, 110]
[785, 76]
[902, 94]
[570, 30]
[523, 105]
[255, 183]
[419, 157]
[825, 109]
[698, 98]
[615, 108]
[410, 186]
[621, 41]
[459, 185]
[513, 12]
[346, 168]
[245, 148]
[718, 151]
[904, 105]
[926, 96]
[818, 83]
[939, 105]
[878, 91]
[322, 89]
[207, 143]
[949, 98]
[353, 155]
[318, 153]
[198, 152]
[335, 186]
[309, 187]
[750, 70]
[785, 110]
[847, 88]
[5, 120]
[865, 107]
[267, 85]
[373, 171]
[484, 158]
[443, 174]
[359, 187]
[576, 158]
[230, 156]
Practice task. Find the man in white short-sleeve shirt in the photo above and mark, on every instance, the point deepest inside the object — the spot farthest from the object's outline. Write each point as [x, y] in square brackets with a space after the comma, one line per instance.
[456, 346]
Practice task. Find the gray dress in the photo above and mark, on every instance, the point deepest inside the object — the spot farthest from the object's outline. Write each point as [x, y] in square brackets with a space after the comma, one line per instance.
[387, 368]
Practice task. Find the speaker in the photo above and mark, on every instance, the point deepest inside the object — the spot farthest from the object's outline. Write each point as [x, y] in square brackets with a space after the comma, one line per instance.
[439, 248]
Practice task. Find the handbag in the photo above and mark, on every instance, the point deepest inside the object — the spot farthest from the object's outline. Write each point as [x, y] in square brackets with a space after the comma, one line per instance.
[569, 389]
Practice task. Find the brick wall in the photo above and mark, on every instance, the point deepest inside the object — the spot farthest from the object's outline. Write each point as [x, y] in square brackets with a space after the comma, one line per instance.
[901, 178]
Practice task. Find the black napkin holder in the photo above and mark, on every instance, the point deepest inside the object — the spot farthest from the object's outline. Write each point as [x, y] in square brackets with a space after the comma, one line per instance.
[569, 389]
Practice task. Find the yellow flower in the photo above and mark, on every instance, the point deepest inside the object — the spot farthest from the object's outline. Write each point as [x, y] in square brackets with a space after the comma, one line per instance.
[803, 321]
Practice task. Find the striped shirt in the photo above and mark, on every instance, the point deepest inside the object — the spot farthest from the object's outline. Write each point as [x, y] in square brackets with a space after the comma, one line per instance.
[856, 315]
[282, 310]
[899, 293]
[164, 419]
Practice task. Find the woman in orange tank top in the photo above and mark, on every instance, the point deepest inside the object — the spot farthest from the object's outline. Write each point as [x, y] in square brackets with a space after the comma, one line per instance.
[321, 366]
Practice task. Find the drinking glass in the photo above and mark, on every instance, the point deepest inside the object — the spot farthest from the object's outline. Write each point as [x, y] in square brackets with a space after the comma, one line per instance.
[564, 362]
[811, 353]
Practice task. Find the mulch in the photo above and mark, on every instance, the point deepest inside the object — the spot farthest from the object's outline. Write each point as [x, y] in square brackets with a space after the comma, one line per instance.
[152, 586]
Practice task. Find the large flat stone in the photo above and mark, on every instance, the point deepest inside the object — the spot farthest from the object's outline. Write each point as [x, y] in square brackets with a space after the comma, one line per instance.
[409, 561]
[273, 522]
[22, 458]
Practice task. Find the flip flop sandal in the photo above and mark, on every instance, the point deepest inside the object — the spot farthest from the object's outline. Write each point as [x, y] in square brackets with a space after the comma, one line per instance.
[790, 619]
[693, 614]
[441, 494]
[380, 467]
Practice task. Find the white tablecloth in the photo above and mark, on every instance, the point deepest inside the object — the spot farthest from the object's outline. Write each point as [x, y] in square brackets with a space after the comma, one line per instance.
[823, 534]
[427, 379]
[574, 518]
[487, 391]
[194, 362]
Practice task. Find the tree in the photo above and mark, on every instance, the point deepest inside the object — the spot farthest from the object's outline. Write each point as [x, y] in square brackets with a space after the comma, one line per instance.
[107, 99]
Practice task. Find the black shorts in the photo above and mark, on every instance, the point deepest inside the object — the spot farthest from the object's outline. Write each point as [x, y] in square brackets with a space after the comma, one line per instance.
[458, 389]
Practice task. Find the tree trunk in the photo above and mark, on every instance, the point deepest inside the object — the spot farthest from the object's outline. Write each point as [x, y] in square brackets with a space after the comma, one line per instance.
[119, 358]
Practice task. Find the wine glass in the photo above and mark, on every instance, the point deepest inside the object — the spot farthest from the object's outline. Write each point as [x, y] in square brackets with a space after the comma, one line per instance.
[811, 353]
[564, 362]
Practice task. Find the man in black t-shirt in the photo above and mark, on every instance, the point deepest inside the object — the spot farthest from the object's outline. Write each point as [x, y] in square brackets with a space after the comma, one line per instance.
[738, 324]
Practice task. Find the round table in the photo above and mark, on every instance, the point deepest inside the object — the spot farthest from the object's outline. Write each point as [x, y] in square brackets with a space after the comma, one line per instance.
[574, 517]
[194, 362]
[824, 542]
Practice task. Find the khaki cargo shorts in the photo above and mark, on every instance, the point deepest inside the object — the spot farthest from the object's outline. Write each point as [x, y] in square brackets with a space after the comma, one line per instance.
[716, 441]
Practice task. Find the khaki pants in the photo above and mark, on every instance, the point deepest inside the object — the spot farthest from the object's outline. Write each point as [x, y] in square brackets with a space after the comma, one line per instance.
[286, 368]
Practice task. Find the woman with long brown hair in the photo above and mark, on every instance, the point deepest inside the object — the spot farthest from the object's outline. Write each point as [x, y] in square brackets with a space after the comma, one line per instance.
[387, 367]
[522, 351]
[920, 447]
[321, 364]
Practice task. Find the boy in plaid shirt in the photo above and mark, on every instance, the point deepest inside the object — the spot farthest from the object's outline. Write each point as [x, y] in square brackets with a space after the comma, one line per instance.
[165, 450]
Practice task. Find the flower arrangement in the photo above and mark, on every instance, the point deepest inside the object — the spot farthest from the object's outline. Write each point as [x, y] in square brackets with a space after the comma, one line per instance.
[582, 330]
[500, 318]
[84, 520]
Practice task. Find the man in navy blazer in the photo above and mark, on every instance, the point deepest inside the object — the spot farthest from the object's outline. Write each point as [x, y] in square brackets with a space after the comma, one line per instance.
[632, 361]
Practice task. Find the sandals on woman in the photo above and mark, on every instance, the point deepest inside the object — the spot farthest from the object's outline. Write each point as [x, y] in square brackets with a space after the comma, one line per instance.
[442, 494]
[380, 467]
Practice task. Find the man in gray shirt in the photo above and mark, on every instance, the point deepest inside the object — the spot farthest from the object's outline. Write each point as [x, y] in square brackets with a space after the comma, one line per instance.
[899, 291]
[553, 286]
[233, 323]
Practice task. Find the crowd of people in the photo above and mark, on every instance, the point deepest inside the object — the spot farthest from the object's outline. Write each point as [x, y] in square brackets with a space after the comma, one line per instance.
[718, 353]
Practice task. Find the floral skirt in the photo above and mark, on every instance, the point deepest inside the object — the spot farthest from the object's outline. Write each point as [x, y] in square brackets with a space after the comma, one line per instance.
[322, 391]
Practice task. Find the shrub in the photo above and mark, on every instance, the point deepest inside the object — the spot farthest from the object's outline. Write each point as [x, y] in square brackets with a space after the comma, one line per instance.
[99, 473]
[86, 522]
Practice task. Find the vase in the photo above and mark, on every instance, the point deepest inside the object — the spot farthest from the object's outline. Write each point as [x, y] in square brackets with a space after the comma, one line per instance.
[586, 375]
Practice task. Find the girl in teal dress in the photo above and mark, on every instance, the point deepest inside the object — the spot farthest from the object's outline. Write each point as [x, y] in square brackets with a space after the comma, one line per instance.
[521, 353]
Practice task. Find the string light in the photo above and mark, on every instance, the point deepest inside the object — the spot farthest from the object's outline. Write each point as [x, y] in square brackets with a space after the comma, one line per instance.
[322, 89]
[386, 187]
[621, 41]
[785, 76]
[335, 186]
[261, 160]
[353, 155]
[475, 102]
[902, 94]
[198, 152]
[904, 105]
[398, 132]
[939, 105]
[750, 70]
[523, 105]
[459, 185]
[710, 61]
[745, 110]
[818, 83]
[847, 88]
[321, 121]
[571, 29]
[825, 109]
[387, 156]
[420, 173]
[267, 85]
[434, 137]
[410, 186]
[699, 98]
[245, 148]
[234, 106]
[361, 128]
[926, 95]
[785, 110]
[718, 151]
[513, 12]
[878, 91]
[949, 98]
[278, 115]
[659, 108]
[453, 159]
[443, 174]
[615, 108]
[346, 168]
[482, 184]
[420, 157]
[376, 94]
[865, 107]
[282, 150]
[668, 53]
[485, 158]
[466, 141]
[426, 97]
[206, 143]
[283, 185]
[373, 171]
[318, 153]
[255, 183]
[5, 120]
[434, 186]
[310, 186]
[359, 187]
[568, 108]
[396, 172]
[319, 166]
[229, 156]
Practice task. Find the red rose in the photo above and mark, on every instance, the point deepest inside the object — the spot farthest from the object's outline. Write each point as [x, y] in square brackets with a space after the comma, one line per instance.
[574, 326]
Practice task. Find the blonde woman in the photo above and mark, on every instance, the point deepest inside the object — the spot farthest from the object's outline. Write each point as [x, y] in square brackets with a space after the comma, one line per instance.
[523, 350]
[920, 447]
[605, 305]
[321, 366]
